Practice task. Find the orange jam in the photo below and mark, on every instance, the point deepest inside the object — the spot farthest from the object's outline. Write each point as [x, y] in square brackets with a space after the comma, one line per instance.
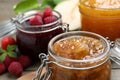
[80, 48]
[101, 16]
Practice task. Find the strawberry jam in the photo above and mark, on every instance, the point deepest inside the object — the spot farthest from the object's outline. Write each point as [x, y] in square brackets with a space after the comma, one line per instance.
[33, 39]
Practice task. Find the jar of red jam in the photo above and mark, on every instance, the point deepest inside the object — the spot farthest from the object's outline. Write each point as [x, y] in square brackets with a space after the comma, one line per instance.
[33, 39]
[76, 55]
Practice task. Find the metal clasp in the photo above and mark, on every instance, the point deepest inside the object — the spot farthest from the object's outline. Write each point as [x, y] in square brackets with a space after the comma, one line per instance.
[112, 43]
[65, 27]
[44, 64]
[115, 50]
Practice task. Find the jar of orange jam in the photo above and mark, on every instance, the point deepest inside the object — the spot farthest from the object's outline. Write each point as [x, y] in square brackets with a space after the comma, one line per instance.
[76, 55]
[101, 16]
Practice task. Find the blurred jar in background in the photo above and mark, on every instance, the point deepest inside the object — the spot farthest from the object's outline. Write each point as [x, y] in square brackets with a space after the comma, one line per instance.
[101, 16]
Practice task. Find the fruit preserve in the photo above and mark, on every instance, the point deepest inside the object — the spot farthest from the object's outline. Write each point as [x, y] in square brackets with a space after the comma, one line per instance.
[33, 35]
[79, 56]
[101, 16]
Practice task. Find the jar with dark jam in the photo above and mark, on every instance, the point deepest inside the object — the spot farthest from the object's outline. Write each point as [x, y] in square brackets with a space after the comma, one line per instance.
[79, 55]
[33, 39]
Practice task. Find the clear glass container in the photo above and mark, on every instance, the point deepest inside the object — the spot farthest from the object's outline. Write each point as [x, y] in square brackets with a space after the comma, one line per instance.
[101, 17]
[32, 40]
[61, 68]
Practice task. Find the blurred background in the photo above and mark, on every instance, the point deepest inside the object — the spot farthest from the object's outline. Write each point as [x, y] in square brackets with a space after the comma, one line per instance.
[6, 9]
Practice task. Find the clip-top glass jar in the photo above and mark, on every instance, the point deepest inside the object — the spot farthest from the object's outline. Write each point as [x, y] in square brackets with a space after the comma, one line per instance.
[33, 39]
[77, 55]
[101, 17]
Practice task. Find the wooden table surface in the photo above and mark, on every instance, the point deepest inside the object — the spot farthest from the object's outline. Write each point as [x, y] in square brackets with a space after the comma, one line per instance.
[6, 13]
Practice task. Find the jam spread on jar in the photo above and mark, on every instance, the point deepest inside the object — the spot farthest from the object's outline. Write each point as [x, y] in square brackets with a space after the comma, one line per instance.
[80, 48]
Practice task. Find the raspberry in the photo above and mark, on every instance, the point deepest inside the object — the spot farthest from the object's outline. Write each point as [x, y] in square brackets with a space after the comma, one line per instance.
[7, 41]
[9, 60]
[39, 14]
[15, 69]
[2, 68]
[47, 12]
[50, 19]
[36, 20]
[24, 60]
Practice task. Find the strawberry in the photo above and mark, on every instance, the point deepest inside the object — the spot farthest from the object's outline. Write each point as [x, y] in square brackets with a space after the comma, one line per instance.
[7, 41]
[15, 69]
[47, 12]
[9, 60]
[36, 20]
[50, 19]
[2, 68]
[24, 60]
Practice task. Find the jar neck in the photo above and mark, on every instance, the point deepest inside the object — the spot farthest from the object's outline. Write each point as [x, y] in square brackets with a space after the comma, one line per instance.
[78, 64]
[88, 9]
[39, 29]
[22, 23]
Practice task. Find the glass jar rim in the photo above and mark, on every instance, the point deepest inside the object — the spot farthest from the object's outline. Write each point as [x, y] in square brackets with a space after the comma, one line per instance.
[57, 58]
[23, 17]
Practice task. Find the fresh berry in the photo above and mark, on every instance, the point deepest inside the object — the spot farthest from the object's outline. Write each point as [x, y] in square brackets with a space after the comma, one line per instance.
[47, 12]
[39, 14]
[36, 20]
[2, 68]
[24, 60]
[15, 69]
[50, 19]
[9, 60]
[7, 41]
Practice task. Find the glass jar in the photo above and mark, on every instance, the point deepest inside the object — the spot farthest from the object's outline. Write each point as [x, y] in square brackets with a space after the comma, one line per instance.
[62, 68]
[32, 40]
[101, 17]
